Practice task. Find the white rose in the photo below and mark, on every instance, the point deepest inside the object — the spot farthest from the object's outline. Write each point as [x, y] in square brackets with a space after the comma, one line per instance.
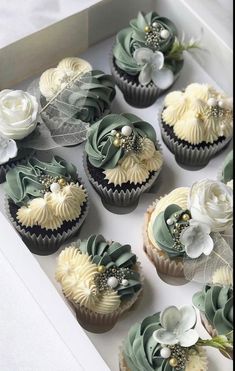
[18, 113]
[211, 202]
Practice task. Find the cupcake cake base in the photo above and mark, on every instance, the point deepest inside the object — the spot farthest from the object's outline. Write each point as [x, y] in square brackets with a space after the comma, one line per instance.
[196, 156]
[162, 263]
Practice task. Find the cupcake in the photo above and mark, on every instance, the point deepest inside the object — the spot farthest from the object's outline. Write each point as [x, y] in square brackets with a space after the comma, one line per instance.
[100, 279]
[18, 120]
[83, 95]
[183, 229]
[226, 175]
[147, 58]
[122, 158]
[46, 202]
[196, 123]
[164, 341]
[215, 303]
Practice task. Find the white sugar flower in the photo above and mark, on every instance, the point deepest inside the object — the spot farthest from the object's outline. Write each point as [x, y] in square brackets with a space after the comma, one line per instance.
[196, 239]
[177, 327]
[8, 149]
[153, 69]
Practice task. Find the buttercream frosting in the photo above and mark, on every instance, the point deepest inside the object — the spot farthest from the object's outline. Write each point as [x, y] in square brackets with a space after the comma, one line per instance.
[116, 176]
[223, 276]
[138, 173]
[155, 162]
[199, 114]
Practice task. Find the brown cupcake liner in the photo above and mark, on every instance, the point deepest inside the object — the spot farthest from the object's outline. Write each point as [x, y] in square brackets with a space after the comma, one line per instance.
[135, 94]
[120, 198]
[161, 261]
[213, 332]
[46, 245]
[194, 157]
[100, 323]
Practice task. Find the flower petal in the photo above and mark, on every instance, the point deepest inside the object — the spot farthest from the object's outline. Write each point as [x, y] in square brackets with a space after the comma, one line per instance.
[158, 60]
[143, 55]
[170, 318]
[188, 318]
[188, 338]
[145, 75]
[194, 250]
[165, 337]
[163, 78]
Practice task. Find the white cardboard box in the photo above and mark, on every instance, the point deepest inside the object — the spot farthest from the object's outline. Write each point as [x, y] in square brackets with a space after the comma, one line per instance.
[81, 34]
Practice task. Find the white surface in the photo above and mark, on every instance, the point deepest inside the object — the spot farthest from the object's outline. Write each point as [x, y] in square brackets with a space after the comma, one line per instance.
[35, 326]
[22, 18]
[127, 228]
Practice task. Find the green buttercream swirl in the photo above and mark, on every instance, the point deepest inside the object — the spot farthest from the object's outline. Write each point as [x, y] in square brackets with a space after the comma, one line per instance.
[227, 172]
[141, 351]
[113, 255]
[23, 184]
[163, 233]
[133, 37]
[216, 302]
[99, 146]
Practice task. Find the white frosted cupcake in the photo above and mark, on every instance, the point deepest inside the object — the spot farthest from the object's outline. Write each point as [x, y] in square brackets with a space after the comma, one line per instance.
[196, 123]
[101, 280]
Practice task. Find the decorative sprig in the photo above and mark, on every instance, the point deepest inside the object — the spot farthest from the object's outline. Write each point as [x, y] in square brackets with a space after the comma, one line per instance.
[180, 46]
[221, 342]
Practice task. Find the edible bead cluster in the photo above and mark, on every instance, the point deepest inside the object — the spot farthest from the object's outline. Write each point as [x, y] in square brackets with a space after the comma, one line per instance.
[177, 356]
[52, 184]
[179, 222]
[127, 139]
[217, 108]
[110, 278]
[154, 34]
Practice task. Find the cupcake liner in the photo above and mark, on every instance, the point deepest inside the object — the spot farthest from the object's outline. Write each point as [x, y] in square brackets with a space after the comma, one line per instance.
[213, 332]
[100, 323]
[189, 156]
[161, 261]
[120, 198]
[122, 362]
[46, 245]
[137, 95]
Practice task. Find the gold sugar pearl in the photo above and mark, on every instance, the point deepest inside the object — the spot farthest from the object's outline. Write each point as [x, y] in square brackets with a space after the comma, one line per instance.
[117, 142]
[185, 217]
[173, 362]
[146, 29]
[118, 135]
[62, 182]
[101, 269]
[198, 116]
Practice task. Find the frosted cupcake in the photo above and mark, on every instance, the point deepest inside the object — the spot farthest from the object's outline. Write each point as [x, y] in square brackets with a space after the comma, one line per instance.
[83, 95]
[215, 302]
[46, 202]
[185, 226]
[18, 120]
[147, 58]
[122, 158]
[167, 341]
[101, 280]
[196, 123]
[226, 175]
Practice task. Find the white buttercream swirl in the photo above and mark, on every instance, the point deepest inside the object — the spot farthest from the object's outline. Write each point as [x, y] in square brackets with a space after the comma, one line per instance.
[129, 160]
[26, 216]
[137, 173]
[76, 191]
[190, 129]
[148, 149]
[117, 175]
[54, 79]
[155, 162]
[64, 207]
[108, 303]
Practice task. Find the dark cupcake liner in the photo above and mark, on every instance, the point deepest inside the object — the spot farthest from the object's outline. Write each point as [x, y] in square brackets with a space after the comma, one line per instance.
[135, 94]
[120, 198]
[189, 156]
[45, 244]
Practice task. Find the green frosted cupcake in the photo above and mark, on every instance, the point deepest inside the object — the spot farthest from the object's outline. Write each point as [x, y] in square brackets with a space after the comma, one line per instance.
[147, 58]
[101, 279]
[122, 158]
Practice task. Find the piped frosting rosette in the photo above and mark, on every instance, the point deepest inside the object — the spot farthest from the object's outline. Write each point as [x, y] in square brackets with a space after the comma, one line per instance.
[46, 202]
[18, 119]
[196, 123]
[101, 279]
[73, 93]
[215, 303]
[167, 341]
[122, 158]
[182, 233]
